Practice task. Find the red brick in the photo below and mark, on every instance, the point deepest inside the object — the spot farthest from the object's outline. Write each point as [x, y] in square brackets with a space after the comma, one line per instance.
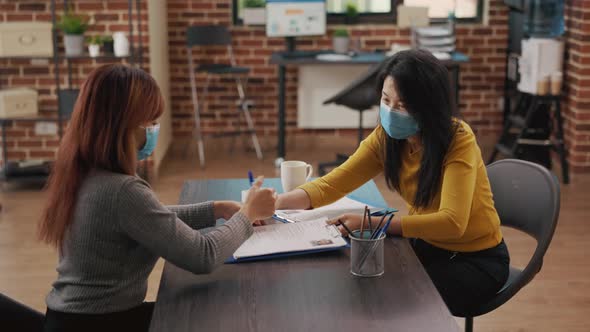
[114, 5]
[202, 5]
[118, 27]
[42, 154]
[95, 5]
[19, 17]
[106, 17]
[7, 7]
[23, 81]
[16, 155]
[30, 144]
[11, 132]
[177, 5]
[36, 70]
[37, 6]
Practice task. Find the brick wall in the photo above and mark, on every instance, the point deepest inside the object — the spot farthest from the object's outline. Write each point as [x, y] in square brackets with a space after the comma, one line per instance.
[577, 78]
[107, 17]
[481, 79]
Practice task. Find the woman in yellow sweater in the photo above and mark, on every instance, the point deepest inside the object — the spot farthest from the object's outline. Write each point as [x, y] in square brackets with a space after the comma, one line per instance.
[433, 161]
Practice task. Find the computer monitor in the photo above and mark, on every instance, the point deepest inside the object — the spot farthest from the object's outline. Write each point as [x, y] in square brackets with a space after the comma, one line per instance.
[292, 18]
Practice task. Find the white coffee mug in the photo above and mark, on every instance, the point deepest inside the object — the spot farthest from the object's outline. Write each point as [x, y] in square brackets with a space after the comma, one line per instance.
[245, 195]
[294, 174]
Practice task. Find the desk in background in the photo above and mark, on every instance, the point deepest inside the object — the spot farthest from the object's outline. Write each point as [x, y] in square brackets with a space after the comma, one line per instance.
[305, 293]
[284, 59]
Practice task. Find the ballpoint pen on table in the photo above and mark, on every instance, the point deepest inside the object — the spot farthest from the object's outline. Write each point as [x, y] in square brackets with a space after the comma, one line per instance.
[251, 178]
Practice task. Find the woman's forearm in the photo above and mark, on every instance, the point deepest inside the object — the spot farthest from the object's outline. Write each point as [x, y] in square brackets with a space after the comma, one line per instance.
[293, 200]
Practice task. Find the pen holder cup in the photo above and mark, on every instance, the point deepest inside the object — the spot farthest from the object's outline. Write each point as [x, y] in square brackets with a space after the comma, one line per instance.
[366, 255]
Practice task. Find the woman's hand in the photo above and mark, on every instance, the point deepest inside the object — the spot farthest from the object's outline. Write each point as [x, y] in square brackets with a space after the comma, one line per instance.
[226, 209]
[352, 221]
[261, 202]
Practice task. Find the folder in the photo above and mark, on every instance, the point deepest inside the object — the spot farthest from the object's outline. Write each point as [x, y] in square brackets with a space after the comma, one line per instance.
[283, 240]
[233, 260]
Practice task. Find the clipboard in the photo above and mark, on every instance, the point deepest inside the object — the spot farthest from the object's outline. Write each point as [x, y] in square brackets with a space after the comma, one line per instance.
[233, 260]
[334, 233]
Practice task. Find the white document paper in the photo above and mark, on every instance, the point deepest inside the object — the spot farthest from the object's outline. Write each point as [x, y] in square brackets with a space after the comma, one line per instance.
[341, 206]
[282, 238]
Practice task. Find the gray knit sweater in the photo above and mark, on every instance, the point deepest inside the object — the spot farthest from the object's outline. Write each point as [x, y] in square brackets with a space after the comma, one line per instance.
[118, 231]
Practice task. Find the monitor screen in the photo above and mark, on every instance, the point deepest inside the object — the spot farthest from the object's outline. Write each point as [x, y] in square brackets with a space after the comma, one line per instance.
[291, 18]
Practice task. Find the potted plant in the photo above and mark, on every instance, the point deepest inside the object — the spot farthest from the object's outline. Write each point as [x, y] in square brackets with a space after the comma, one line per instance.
[108, 45]
[254, 12]
[94, 43]
[352, 13]
[73, 27]
[340, 41]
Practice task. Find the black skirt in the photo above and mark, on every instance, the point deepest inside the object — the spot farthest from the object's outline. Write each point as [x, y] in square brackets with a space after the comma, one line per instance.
[465, 279]
[133, 320]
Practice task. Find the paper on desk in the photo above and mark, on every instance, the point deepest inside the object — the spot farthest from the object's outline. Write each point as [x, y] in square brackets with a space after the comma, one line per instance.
[283, 238]
[341, 206]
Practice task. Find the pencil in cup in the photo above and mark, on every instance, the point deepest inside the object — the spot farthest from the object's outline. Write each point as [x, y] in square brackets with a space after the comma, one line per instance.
[377, 237]
[372, 265]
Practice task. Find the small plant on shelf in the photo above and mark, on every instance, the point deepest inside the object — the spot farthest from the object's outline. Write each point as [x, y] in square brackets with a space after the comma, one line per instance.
[340, 40]
[73, 27]
[94, 43]
[254, 3]
[254, 12]
[108, 45]
[352, 13]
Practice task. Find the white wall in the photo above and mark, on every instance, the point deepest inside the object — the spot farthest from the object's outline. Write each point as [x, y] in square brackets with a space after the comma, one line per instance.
[318, 83]
[160, 70]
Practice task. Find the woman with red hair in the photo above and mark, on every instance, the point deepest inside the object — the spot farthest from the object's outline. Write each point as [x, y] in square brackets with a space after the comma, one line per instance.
[107, 223]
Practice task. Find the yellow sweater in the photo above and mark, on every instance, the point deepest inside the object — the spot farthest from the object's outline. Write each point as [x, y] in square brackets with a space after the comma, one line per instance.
[462, 216]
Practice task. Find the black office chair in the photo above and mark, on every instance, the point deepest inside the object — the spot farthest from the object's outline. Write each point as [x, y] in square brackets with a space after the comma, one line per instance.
[15, 316]
[360, 95]
[527, 197]
[214, 35]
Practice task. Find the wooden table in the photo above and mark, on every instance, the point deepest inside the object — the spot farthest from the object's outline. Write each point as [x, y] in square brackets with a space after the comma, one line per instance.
[305, 293]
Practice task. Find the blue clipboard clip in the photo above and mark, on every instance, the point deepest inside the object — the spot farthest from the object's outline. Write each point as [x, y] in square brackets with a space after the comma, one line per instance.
[284, 220]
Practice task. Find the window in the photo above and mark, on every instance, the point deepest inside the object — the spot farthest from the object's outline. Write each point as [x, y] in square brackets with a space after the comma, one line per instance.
[384, 11]
[363, 6]
[465, 10]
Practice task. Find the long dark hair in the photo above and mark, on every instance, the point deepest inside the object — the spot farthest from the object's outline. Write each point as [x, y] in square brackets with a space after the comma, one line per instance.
[422, 84]
[114, 100]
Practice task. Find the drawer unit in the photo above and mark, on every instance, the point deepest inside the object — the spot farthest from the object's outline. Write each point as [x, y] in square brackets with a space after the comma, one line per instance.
[25, 39]
[20, 102]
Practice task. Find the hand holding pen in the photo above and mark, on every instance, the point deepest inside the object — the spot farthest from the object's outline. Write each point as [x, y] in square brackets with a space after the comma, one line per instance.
[350, 222]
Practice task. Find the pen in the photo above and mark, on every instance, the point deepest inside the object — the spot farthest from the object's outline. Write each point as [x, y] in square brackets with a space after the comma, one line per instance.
[380, 223]
[251, 178]
[345, 227]
[370, 223]
[283, 220]
[363, 222]
[384, 229]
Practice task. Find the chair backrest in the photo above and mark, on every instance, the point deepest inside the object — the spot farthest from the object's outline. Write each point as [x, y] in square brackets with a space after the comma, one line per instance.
[19, 316]
[361, 94]
[207, 35]
[527, 198]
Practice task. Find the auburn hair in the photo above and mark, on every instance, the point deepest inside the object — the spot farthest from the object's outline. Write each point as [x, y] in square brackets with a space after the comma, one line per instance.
[113, 102]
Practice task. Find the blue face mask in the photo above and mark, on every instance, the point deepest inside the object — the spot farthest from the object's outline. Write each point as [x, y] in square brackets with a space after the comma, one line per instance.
[151, 138]
[396, 124]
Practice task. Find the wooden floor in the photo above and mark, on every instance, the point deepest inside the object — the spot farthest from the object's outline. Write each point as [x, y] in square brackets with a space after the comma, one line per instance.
[558, 299]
